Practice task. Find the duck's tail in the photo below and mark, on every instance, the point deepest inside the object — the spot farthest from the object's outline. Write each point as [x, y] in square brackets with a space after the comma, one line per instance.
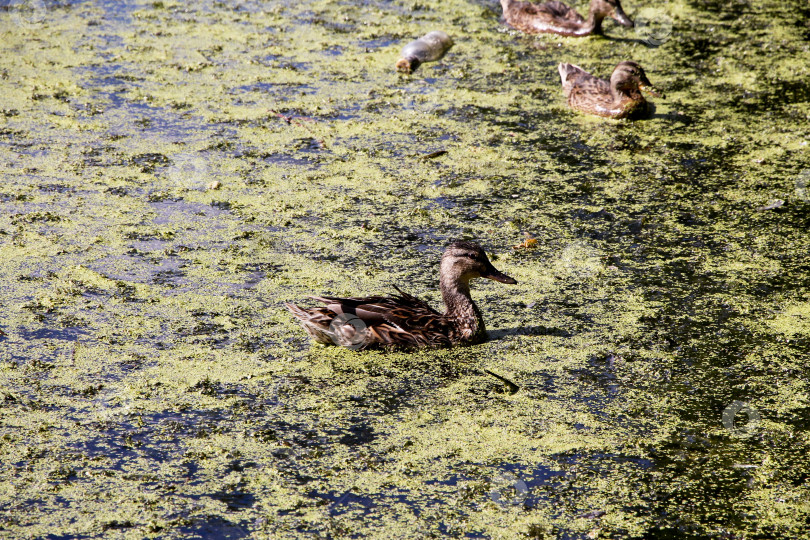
[569, 73]
[300, 313]
[567, 70]
[315, 321]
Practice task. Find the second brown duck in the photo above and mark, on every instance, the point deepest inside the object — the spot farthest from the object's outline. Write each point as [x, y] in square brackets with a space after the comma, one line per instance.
[618, 98]
[557, 18]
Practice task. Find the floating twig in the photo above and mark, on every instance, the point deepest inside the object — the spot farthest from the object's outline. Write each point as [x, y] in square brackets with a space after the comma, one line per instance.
[772, 205]
[593, 514]
[435, 154]
[296, 122]
[513, 388]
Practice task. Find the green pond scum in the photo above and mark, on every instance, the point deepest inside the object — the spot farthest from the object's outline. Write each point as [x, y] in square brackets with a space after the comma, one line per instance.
[154, 386]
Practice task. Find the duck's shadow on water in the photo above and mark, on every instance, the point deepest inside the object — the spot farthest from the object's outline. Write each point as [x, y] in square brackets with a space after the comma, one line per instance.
[652, 113]
[528, 331]
[674, 116]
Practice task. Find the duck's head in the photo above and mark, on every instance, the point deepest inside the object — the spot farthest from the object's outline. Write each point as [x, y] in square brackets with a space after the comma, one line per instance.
[612, 9]
[629, 77]
[463, 261]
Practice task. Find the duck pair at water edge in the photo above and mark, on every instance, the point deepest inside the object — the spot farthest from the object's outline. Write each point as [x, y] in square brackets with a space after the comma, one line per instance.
[404, 321]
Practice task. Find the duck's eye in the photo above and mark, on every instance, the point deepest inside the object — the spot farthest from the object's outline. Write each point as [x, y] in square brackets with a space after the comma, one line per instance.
[470, 255]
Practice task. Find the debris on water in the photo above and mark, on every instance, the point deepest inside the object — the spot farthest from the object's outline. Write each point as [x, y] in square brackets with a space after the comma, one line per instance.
[216, 184]
[593, 514]
[298, 122]
[772, 205]
[528, 242]
[428, 48]
[435, 154]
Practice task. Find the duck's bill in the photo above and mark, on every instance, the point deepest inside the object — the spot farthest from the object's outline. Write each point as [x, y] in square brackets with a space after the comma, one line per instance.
[496, 275]
[620, 17]
[651, 90]
[646, 86]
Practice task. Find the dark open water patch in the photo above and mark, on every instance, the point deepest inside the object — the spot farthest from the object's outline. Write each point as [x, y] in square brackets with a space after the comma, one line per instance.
[217, 528]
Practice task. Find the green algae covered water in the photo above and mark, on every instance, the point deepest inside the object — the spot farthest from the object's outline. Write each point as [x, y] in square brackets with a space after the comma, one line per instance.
[153, 385]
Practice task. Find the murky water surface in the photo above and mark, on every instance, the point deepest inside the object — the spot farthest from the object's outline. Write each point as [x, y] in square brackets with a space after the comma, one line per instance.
[154, 386]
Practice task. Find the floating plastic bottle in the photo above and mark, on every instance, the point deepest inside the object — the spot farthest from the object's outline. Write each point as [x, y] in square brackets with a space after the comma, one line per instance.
[428, 48]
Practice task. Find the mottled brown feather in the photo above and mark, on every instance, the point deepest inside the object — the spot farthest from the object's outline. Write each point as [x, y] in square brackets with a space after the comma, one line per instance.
[618, 98]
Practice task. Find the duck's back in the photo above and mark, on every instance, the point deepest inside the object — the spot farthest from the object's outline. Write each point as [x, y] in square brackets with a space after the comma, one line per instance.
[554, 17]
[561, 12]
[575, 79]
[398, 321]
[587, 93]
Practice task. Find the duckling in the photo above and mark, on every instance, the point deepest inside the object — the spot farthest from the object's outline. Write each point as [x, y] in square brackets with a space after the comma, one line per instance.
[619, 98]
[428, 48]
[404, 321]
[557, 18]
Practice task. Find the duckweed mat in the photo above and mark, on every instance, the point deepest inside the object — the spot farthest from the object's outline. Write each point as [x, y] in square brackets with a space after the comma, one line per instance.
[173, 172]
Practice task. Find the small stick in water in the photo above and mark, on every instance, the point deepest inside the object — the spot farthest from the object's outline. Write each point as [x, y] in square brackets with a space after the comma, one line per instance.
[292, 121]
[513, 388]
[435, 154]
[428, 48]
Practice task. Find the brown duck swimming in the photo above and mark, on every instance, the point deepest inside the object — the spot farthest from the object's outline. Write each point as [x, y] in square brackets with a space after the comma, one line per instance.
[619, 98]
[558, 18]
[404, 321]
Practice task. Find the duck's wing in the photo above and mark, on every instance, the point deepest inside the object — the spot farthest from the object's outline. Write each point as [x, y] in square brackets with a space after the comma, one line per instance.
[583, 90]
[368, 309]
[402, 320]
[574, 78]
[554, 17]
[316, 321]
[560, 11]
